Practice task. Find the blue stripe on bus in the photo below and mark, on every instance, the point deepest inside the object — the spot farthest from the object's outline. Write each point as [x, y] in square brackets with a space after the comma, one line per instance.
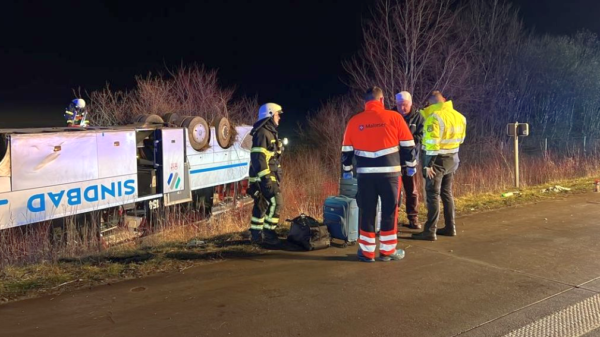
[170, 178]
[3, 202]
[217, 168]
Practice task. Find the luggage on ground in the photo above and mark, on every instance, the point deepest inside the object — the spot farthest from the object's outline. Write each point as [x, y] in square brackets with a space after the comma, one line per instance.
[340, 214]
[308, 233]
[349, 187]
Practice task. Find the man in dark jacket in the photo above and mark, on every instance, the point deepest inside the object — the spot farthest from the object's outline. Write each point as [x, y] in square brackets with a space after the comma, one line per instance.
[414, 120]
[265, 173]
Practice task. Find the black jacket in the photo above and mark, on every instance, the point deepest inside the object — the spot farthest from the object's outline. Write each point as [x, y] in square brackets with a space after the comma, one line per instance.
[264, 156]
[415, 122]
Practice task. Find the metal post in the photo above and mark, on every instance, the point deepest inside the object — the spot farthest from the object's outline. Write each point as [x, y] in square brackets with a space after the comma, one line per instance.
[546, 147]
[516, 156]
[584, 142]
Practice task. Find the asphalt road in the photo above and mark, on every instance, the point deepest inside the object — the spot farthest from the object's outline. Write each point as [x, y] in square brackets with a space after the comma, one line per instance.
[506, 270]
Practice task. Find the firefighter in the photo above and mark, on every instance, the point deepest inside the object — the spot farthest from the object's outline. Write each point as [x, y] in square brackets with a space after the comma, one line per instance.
[445, 130]
[76, 113]
[265, 173]
[382, 144]
[414, 120]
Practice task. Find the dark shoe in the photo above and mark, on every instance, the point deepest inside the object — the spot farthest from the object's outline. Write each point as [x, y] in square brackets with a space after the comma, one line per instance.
[363, 258]
[427, 236]
[255, 237]
[446, 231]
[270, 238]
[397, 256]
[414, 224]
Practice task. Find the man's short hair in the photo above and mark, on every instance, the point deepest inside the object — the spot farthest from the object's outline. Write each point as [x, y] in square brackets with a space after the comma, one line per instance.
[437, 94]
[403, 96]
[373, 93]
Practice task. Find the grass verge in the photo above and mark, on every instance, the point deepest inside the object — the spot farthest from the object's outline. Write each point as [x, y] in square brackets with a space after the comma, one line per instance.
[176, 255]
[118, 264]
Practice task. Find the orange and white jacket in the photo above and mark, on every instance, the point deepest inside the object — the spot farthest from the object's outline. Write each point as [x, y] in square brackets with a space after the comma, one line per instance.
[379, 140]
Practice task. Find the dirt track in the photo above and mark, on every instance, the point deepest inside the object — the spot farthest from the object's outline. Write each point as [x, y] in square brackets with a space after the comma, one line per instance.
[506, 269]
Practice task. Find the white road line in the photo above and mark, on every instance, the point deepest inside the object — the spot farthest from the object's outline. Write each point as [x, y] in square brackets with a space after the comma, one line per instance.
[574, 321]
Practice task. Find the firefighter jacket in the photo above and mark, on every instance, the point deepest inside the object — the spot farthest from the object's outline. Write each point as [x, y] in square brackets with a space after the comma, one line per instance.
[76, 115]
[379, 140]
[265, 153]
[445, 130]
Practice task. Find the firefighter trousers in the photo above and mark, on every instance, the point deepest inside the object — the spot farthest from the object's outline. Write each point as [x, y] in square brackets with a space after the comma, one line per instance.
[370, 189]
[265, 213]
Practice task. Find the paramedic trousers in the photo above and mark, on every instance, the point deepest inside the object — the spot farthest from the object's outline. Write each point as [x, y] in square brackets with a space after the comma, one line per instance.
[411, 195]
[265, 213]
[370, 189]
[440, 185]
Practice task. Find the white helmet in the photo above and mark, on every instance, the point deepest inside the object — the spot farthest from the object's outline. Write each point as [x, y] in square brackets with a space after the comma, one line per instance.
[78, 103]
[268, 110]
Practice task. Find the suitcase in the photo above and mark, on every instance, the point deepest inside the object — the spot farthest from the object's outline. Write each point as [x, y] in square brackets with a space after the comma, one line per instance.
[349, 187]
[340, 215]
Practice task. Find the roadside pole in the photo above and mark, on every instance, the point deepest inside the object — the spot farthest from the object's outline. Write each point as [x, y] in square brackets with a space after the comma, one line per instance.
[515, 130]
[516, 156]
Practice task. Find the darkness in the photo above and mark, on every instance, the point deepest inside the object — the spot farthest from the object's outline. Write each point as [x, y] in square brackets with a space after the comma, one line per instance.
[289, 52]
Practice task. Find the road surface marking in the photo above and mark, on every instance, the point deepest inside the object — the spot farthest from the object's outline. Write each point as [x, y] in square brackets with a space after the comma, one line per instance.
[574, 321]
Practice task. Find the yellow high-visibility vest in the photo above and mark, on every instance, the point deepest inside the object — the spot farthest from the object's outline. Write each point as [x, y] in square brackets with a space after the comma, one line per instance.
[444, 129]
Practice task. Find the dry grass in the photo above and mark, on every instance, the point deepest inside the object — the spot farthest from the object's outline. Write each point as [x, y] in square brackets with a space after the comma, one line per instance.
[43, 268]
[173, 248]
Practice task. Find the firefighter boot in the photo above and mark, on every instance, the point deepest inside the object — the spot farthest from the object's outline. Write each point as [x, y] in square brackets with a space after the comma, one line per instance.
[255, 237]
[270, 238]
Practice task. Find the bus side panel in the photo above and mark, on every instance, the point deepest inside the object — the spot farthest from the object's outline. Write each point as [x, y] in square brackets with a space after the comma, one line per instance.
[35, 205]
[43, 160]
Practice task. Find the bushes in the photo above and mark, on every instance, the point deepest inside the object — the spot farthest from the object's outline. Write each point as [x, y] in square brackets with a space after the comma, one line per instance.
[189, 91]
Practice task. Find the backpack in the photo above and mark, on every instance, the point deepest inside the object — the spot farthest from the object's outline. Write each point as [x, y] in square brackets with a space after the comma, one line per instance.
[308, 233]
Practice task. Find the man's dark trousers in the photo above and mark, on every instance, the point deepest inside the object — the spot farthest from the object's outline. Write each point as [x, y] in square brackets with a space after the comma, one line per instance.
[412, 197]
[440, 186]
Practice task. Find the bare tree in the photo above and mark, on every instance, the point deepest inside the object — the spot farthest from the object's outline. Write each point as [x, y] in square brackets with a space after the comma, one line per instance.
[410, 45]
[326, 127]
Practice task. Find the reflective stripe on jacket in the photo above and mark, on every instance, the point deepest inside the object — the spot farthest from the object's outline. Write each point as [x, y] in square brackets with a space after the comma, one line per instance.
[444, 129]
[379, 140]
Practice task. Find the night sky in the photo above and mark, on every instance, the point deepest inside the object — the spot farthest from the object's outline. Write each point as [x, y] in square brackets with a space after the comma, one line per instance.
[289, 52]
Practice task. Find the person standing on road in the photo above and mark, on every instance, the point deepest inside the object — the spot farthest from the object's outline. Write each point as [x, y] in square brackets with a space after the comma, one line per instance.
[445, 130]
[383, 145]
[414, 120]
[264, 176]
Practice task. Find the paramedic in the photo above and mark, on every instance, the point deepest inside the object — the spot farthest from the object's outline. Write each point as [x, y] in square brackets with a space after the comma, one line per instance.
[445, 130]
[265, 173]
[383, 145]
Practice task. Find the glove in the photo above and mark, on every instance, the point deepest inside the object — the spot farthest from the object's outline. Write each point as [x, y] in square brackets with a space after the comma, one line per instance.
[269, 188]
[347, 175]
[410, 171]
